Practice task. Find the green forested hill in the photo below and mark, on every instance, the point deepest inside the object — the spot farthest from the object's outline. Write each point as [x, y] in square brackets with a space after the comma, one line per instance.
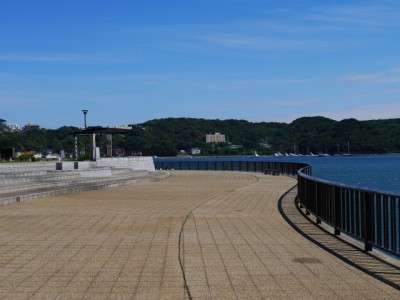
[165, 137]
[304, 135]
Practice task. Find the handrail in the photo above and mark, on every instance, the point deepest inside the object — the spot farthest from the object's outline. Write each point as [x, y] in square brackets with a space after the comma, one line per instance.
[370, 216]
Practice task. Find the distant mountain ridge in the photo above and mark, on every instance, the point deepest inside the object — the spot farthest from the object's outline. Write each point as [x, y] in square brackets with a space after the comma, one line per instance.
[165, 137]
[303, 135]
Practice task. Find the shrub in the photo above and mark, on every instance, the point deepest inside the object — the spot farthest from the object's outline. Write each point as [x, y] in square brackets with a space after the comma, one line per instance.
[84, 157]
[27, 156]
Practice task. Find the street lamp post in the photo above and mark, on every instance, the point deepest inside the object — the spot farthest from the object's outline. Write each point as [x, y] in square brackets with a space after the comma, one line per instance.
[85, 111]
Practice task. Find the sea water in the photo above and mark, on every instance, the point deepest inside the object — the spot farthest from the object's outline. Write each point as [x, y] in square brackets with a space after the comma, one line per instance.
[378, 172]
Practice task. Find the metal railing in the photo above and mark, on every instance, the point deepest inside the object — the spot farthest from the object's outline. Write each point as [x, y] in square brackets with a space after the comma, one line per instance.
[370, 216]
[287, 168]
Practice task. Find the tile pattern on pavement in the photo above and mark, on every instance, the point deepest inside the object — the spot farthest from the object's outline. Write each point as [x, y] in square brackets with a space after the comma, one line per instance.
[122, 243]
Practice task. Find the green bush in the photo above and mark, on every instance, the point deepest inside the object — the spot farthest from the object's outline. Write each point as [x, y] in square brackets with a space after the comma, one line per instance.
[84, 157]
[27, 156]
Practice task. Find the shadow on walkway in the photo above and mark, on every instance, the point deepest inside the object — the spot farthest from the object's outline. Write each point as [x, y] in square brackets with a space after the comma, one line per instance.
[346, 251]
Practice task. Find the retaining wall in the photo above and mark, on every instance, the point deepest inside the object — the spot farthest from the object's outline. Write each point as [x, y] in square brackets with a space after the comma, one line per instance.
[133, 163]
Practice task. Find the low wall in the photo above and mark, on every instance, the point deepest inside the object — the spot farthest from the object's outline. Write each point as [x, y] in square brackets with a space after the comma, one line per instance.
[70, 165]
[42, 166]
[133, 163]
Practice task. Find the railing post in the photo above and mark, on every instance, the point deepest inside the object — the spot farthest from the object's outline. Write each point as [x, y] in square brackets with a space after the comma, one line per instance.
[310, 191]
[367, 220]
[337, 210]
[317, 203]
[393, 223]
[385, 222]
[300, 190]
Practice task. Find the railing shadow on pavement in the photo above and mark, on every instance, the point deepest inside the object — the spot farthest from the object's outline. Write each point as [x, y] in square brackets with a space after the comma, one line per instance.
[342, 248]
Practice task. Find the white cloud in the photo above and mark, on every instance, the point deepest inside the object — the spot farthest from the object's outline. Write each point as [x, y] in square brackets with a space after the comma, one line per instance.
[254, 42]
[384, 77]
[50, 58]
[359, 17]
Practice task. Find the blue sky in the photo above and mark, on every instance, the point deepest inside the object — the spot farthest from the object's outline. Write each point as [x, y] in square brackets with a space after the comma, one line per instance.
[259, 60]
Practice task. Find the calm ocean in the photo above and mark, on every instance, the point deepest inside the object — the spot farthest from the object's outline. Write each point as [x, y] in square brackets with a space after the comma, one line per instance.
[380, 172]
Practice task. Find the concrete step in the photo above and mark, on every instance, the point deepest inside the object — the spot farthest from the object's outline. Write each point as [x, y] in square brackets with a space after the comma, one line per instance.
[21, 187]
[60, 179]
[80, 186]
[19, 173]
[47, 176]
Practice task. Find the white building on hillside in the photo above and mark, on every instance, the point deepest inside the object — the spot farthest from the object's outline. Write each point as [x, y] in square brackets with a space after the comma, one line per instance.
[12, 127]
[215, 138]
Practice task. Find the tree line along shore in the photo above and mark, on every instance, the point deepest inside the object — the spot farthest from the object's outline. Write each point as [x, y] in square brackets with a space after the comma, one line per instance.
[174, 136]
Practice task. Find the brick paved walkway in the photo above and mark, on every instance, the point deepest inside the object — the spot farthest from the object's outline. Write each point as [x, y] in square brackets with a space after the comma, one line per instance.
[223, 229]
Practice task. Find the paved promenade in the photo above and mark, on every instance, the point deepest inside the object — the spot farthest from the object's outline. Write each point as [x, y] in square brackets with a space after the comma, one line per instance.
[193, 235]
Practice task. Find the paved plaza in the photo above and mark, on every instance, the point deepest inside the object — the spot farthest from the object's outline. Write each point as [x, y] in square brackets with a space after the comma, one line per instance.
[192, 235]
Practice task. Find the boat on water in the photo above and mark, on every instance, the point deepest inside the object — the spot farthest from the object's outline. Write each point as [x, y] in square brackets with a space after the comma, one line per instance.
[348, 150]
[323, 154]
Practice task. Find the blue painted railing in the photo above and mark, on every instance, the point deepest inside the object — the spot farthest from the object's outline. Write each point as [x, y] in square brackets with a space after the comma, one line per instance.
[370, 216]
